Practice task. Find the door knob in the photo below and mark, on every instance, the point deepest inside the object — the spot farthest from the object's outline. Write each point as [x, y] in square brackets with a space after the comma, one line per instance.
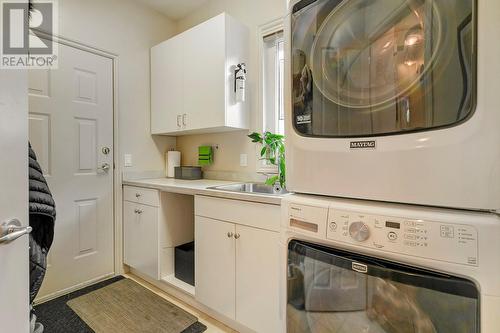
[230, 234]
[104, 167]
[237, 236]
[12, 230]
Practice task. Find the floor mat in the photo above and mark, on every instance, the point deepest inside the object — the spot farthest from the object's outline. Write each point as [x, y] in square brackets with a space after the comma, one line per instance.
[58, 317]
[126, 306]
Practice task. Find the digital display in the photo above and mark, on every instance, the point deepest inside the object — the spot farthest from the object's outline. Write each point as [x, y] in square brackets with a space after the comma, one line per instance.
[394, 225]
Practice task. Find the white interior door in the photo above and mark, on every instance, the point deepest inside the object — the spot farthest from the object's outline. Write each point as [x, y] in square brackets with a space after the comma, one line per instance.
[70, 129]
[14, 271]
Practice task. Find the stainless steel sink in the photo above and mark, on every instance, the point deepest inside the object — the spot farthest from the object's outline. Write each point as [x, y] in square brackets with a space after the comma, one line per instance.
[252, 188]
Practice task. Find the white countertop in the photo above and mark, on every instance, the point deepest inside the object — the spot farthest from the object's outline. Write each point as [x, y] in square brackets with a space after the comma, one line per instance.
[201, 187]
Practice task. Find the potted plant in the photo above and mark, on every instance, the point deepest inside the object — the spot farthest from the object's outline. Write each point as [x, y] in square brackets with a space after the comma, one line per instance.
[273, 151]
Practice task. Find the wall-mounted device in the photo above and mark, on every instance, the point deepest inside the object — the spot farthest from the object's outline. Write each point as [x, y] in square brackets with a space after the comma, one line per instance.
[240, 77]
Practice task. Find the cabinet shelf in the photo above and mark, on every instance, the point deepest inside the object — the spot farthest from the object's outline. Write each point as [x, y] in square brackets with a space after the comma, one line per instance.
[172, 280]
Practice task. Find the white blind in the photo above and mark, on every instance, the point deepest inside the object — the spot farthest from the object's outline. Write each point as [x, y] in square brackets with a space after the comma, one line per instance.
[273, 78]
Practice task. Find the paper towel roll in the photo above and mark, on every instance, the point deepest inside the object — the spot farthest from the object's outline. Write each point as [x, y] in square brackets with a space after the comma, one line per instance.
[173, 161]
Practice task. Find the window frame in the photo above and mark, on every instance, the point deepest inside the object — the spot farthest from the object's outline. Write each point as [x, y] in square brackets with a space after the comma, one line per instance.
[273, 27]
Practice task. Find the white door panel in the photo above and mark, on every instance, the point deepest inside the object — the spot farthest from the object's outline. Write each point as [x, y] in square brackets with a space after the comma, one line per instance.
[39, 129]
[204, 84]
[257, 279]
[140, 232]
[167, 94]
[71, 120]
[14, 271]
[215, 265]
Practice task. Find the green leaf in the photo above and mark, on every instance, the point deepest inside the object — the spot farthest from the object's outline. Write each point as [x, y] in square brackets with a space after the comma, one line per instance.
[282, 165]
[256, 137]
[275, 137]
[263, 151]
[272, 180]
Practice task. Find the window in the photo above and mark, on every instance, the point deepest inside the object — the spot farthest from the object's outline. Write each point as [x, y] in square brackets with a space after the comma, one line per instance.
[271, 86]
[273, 67]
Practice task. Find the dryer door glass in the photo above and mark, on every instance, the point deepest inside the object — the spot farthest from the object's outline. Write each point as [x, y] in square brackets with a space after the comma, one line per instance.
[364, 68]
[339, 292]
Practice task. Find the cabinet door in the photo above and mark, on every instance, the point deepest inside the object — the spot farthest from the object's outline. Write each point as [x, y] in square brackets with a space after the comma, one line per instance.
[140, 238]
[257, 279]
[204, 80]
[167, 79]
[214, 265]
[129, 233]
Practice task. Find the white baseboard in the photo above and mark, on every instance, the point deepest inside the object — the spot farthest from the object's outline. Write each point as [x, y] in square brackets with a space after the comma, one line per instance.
[66, 291]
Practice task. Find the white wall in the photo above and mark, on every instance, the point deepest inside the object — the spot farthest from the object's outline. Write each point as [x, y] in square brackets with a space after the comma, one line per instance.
[252, 13]
[128, 29]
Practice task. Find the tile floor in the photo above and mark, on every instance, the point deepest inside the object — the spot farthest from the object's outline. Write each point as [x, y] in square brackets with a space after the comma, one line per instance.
[213, 326]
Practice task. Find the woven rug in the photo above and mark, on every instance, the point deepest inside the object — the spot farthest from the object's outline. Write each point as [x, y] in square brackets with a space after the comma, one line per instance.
[116, 305]
[126, 306]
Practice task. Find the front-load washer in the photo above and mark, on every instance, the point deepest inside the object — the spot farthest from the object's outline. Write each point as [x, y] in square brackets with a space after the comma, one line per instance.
[358, 266]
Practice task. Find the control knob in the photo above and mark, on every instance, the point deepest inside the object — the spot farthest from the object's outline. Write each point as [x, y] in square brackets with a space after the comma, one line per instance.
[359, 231]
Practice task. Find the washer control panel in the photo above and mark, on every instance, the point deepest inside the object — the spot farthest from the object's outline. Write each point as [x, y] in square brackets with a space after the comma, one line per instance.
[454, 243]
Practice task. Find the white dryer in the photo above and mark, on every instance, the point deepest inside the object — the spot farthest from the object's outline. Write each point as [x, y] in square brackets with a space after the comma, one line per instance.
[359, 266]
[394, 100]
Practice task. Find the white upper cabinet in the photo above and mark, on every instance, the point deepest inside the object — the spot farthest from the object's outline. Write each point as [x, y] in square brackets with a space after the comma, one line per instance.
[192, 79]
[167, 66]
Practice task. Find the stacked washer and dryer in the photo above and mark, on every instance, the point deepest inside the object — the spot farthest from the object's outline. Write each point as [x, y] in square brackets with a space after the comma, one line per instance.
[393, 149]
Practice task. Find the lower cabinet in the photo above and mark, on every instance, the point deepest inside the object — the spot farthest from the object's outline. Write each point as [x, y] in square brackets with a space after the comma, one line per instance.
[215, 265]
[237, 271]
[154, 223]
[257, 279]
[140, 230]
[236, 250]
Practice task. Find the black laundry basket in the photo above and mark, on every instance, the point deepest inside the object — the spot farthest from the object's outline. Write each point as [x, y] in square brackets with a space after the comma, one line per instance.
[184, 263]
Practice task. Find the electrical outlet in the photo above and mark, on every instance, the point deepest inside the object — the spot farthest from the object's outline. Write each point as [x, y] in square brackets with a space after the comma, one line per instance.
[127, 160]
[244, 160]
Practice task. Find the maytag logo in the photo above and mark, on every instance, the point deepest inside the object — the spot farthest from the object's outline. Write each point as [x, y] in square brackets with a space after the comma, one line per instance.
[364, 144]
[360, 268]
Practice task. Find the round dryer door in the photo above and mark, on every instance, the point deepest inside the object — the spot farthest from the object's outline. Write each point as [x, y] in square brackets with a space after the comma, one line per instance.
[377, 67]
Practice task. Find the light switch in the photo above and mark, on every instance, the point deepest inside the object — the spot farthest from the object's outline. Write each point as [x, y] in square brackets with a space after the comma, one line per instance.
[127, 160]
[243, 160]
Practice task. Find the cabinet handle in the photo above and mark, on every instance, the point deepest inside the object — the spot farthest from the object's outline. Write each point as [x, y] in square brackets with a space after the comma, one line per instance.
[137, 195]
[184, 116]
[237, 236]
[138, 211]
[179, 120]
[230, 234]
